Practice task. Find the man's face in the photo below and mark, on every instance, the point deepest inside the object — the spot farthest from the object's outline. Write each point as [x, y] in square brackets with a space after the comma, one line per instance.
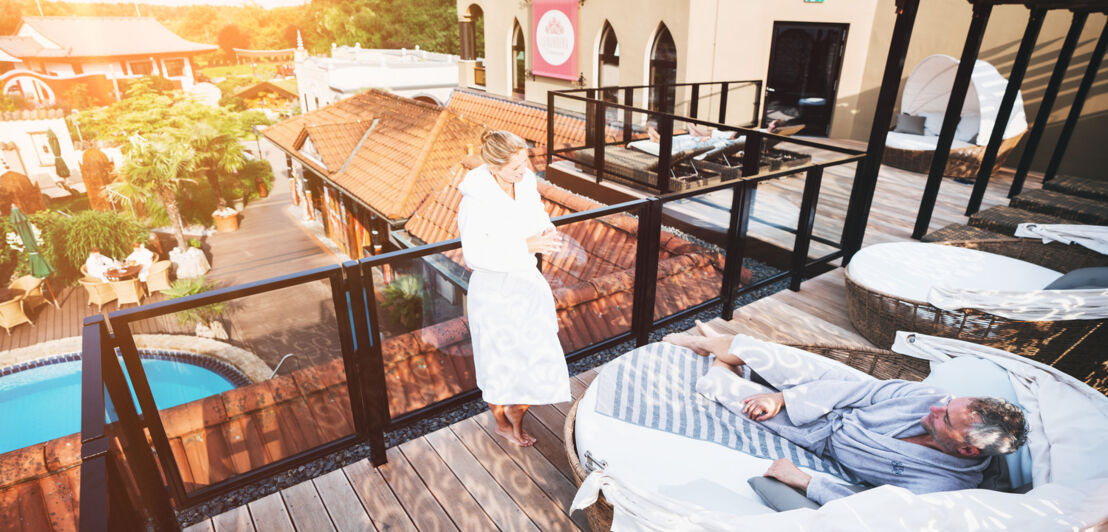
[949, 424]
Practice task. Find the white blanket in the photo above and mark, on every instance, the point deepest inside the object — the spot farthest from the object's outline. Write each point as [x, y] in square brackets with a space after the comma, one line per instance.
[1069, 424]
[1037, 305]
[1094, 237]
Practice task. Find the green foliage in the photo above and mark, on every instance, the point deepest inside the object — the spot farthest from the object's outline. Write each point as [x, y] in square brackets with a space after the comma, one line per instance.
[188, 287]
[158, 168]
[67, 239]
[404, 301]
[12, 102]
[246, 181]
[195, 243]
[431, 24]
[231, 37]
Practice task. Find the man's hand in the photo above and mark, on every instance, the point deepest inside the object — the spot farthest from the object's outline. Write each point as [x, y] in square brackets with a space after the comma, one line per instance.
[763, 406]
[784, 470]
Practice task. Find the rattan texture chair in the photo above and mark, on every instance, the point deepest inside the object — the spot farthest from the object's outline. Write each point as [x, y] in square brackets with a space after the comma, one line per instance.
[12, 314]
[1070, 345]
[129, 291]
[157, 278]
[879, 363]
[99, 292]
[31, 288]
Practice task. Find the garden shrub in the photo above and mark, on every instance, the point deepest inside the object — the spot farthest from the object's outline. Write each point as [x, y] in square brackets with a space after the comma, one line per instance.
[192, 286]
[67, 239]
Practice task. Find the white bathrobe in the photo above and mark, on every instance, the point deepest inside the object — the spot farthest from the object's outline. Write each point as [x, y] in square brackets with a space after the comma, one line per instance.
[512, 321]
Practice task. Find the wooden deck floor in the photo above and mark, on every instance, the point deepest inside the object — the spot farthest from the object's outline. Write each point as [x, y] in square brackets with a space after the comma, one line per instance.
[464, 477]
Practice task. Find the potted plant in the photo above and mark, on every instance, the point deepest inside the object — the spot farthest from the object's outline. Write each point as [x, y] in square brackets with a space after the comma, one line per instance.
[226, 219]
[205, 317]
[403, 300]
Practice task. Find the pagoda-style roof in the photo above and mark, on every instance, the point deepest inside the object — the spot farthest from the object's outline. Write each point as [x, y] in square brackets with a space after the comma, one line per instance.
[80, 37]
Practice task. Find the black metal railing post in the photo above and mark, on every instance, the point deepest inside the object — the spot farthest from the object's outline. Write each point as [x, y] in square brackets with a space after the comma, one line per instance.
[140, 459]
[694, 101]
[95, 448]
[665, 151]
[752, 155]
[1007, 103]
[628, 101]
[151, 418]
[1077, 105]
[343, 287]
[1046, 104]
[646, 270]
[757, 103]
[804, 225]
[549, 127]
[599, 137]
[724, 88]
[742, 201]
[952, 116]
[865, 177]
[371, 359]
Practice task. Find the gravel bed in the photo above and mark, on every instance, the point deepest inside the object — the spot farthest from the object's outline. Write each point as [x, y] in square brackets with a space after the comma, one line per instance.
[339, 459]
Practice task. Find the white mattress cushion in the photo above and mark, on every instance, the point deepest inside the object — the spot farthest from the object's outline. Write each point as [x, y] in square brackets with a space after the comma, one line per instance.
[696, 472]
[908, 141]
[908, 270]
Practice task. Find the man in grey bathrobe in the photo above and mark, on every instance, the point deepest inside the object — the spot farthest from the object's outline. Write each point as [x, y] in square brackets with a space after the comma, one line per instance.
[897, 432]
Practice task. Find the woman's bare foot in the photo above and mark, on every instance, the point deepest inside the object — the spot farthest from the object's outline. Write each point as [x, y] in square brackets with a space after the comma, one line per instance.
[509, 434]
[688, 341]
[707, 330]
[515, 414]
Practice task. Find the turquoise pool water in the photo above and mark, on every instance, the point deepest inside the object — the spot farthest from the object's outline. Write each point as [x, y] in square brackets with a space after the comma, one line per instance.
[43, 403]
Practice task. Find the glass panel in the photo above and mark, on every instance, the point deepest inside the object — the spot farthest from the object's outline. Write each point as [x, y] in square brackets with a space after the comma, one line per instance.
[210, 372]
[691, 251]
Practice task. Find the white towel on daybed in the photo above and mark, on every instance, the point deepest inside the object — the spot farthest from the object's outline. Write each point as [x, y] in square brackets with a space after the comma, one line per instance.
[1068, 423]
[1036, 305]
[1094, 237]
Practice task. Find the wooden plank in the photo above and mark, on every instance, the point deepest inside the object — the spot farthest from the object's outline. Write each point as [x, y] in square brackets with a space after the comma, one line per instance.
[377, 498]
[341, 502]
[543, 511]
[270, 514]
[451, 494]
[550, 417]
[490, 495]
[549, 444]
[234, 520]
[306, 508]
[202, 526]
[421, 506]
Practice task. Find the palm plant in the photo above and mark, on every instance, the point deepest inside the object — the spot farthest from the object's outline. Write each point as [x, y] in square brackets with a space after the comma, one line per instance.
[217, 152]
[158, 167]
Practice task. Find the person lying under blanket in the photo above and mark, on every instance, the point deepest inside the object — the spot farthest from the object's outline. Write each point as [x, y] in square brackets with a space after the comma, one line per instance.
[903, 433]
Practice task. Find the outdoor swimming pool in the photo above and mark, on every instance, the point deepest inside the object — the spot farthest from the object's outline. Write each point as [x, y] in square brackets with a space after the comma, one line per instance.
[43, 402]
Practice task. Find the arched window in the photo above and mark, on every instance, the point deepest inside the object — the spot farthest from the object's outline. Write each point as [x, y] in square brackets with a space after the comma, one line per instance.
[472, 29]
[663, 70]
[608, 73]
[519, 61]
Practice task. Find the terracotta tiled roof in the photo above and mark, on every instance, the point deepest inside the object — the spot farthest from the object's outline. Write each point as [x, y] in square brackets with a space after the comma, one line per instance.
[335, 142]
[110, 37]
[409, 152]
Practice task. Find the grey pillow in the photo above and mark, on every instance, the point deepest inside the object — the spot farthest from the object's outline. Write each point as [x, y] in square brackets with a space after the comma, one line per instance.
[1082, 278]
[780, 496]
[906, 123]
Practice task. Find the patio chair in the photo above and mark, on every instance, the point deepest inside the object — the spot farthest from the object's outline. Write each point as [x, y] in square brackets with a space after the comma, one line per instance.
[31, 289]
[129, 291]
[12, 314]
[84, 271]
[157, 278]
[99, 292]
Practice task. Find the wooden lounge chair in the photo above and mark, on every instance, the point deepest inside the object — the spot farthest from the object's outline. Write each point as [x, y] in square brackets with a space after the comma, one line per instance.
[129, 291]
[99, 292]
[157, 278]
[879, 363]
[12, 314]
[638, 168]
[31, 289]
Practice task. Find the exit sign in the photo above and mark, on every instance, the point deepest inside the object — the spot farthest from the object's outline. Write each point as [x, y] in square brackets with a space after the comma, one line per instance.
[813, 1]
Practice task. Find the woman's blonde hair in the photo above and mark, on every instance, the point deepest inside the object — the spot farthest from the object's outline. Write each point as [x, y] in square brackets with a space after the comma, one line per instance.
[499, 147]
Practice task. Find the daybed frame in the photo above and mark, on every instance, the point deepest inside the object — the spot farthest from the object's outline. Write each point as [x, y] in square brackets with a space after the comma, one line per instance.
[879, 363]
[963, 163]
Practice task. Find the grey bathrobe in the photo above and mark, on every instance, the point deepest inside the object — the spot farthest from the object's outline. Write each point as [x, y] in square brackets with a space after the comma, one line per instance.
[856, 419]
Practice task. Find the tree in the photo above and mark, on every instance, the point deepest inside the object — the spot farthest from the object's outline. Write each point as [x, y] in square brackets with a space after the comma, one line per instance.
[11, 13]
[217, 153]
[157, 168]
[231, 37]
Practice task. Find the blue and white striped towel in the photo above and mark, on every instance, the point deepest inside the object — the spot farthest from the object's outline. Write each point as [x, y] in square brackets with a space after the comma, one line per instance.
[654, 386]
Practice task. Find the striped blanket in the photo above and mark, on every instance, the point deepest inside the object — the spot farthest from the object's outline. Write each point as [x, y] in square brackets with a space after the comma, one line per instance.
[654, 386]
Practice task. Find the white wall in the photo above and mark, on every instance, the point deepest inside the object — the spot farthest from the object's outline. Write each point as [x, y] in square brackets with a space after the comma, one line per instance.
[18, 132]
[407, 73]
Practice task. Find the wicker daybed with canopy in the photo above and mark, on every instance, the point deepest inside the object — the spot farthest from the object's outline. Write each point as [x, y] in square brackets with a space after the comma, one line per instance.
[927, 93]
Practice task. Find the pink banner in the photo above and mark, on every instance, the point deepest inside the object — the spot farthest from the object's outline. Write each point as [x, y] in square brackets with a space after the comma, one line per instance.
[554, 28]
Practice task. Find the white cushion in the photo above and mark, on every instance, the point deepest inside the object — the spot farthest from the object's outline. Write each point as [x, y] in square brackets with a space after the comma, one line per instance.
[908, 270]
[933, 122]
[908, 141]
[968, 128]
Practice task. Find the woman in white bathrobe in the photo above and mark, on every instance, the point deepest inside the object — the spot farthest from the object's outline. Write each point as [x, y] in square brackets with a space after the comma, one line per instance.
[514, 329]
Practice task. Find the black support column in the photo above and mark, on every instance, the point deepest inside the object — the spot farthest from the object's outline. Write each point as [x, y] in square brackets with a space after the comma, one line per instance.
[962, 78]
[1064, 56]
[865, 177]
[1078, 103]
[1015, 81]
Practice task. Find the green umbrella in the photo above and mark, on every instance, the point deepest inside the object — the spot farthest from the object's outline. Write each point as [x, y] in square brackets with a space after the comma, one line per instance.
[56, 147]
[39, 267]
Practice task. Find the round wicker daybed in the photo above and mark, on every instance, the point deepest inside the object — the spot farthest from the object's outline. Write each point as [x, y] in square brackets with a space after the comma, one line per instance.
[926, 94]
[879, 363]
[878, 310]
